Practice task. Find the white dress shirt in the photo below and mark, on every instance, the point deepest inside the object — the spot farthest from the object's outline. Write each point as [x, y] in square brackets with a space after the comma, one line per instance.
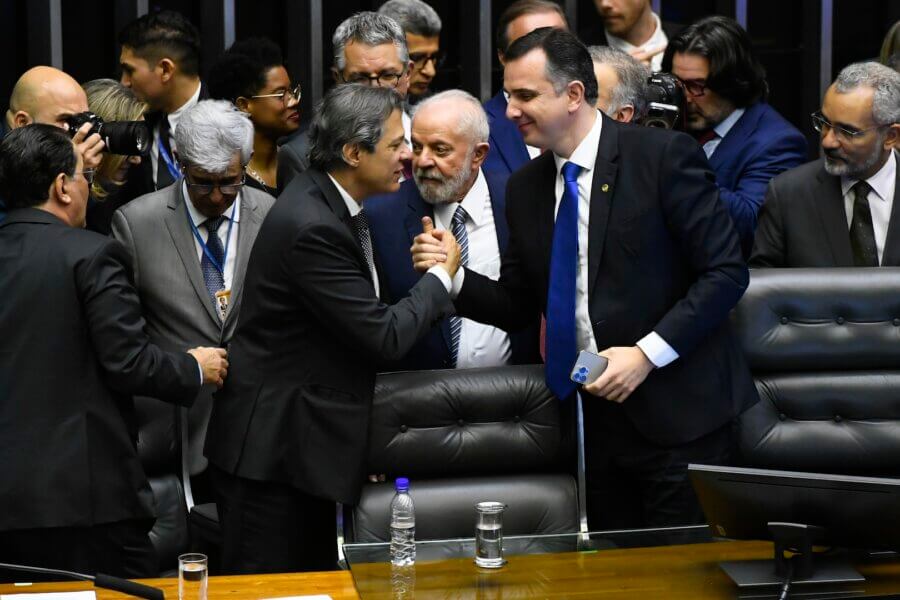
[479, 345]
[657, 40]
[585, 155]
[354, 207]
[881, 199]
[232, 214]
[722, 130]
[173, 123]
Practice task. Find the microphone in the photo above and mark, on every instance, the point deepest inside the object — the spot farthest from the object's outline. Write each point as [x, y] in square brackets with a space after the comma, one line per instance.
[100, 580]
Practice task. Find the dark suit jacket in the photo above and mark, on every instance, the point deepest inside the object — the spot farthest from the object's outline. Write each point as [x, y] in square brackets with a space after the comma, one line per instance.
[803, 223]
[74, 351]
[663, 256]
[508, 151]
[293, 159]
[295, 407]
[395, 220]
[757, 148]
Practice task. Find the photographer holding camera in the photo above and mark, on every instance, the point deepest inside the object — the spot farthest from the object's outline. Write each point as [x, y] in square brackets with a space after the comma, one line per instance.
[47, 95]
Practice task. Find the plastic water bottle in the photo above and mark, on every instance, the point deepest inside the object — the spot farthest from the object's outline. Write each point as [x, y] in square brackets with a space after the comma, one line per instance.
[403, 525]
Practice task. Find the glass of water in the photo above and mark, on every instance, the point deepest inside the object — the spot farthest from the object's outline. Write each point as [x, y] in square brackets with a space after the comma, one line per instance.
[489, 535]
[192, 576]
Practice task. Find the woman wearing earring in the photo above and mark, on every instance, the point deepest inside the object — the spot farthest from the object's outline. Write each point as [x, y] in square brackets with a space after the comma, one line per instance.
[252, 75]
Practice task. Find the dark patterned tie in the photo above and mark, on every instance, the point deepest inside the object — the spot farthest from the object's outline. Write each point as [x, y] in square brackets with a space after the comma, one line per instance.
[214, 279]
[163, 176]
[361, 228]
[458, 229]
[862, 233]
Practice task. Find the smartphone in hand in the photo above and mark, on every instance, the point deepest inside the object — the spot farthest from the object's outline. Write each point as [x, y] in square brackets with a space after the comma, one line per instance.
[588, 367]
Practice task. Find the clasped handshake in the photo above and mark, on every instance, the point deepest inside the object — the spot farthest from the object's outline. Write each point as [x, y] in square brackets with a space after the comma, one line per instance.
[435, 247]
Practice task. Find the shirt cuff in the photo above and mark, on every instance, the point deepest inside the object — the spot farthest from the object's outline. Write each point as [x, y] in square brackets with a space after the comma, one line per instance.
[199, 368]
[657, 350]
[451, 285]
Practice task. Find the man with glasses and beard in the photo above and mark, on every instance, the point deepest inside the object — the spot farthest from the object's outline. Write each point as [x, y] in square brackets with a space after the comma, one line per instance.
[449, 144]
[837, 211]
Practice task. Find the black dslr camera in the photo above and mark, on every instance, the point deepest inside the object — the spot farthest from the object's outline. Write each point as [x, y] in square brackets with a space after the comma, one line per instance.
[131, 138]
[666, 102]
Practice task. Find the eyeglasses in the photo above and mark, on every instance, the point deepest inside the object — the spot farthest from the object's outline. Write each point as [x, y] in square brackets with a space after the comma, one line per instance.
[88, 175]
[694, 87]
[227, 189]
[285, 96]
[823, 125]
[420, 59]
[388, 79]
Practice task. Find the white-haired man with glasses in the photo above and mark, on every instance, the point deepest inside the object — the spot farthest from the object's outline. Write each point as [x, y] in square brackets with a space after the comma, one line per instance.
[838, 211]
[190, 242]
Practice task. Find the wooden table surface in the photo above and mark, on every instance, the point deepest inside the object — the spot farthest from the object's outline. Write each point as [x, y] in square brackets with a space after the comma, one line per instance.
[670, 572]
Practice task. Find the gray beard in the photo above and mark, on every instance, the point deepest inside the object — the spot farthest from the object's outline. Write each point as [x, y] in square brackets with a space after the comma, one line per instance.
[851, 170]
[449, 189]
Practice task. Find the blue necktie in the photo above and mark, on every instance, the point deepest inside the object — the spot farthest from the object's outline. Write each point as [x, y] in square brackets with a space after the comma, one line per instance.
[561, 341]
[458, 229]
[215, 279]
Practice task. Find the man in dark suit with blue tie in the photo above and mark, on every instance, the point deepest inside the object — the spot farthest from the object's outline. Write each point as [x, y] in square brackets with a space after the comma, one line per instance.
[508, 150]
[619, 238]
[746, 140]
[449, 144]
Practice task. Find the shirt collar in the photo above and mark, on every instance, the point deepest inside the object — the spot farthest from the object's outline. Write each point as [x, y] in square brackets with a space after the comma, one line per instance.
[880, 181]
[728, 122]
[657, 39]
[585, 154]
[475, 202]
[233, 213]
[175, 115]
[352, 205]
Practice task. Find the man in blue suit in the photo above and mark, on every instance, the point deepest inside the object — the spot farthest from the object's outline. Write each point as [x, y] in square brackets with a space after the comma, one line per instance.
[450, 191]
[746, 141]
[508, 149]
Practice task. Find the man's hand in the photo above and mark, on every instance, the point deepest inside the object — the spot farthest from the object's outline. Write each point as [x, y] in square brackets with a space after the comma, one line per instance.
[213, 362]
[91, 149]
[647, 54]
[428, 247]
[628, 367]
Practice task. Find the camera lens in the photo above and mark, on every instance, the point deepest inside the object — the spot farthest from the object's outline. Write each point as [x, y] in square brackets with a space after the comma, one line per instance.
[131, 138]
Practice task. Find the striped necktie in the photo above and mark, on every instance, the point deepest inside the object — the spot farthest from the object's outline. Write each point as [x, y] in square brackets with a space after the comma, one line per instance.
[458, 229]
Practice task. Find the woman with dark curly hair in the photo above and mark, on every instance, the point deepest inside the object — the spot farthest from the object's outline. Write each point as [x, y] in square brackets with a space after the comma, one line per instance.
[252, 75]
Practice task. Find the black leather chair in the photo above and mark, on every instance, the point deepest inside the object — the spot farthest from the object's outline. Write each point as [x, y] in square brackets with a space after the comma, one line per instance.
[824, 348]
[463, 436]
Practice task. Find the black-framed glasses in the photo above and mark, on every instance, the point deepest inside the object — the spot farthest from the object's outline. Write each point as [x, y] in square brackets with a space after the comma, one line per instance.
[694, 87]
[389, 79]
[420, 59]
[227, 189]
[88, 175]
[285, 96]
[823, 125]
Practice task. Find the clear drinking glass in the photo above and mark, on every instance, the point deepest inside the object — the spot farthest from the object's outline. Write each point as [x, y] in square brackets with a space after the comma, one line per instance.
[489, 535]
[192, 576]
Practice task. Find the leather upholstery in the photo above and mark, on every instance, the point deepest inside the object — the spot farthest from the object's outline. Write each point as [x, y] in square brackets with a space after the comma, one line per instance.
[463, 436]
[823, 348]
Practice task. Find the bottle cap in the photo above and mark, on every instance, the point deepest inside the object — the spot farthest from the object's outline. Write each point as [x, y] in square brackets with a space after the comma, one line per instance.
[401, 484]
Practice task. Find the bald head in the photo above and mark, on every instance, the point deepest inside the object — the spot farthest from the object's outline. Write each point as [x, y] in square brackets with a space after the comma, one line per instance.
[44, 95]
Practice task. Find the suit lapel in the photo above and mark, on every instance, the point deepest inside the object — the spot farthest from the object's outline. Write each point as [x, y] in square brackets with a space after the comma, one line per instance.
[498, 207]
[891, 255]
[603, 187]
[250, 223]
[416, 209]
[736, 137]
[339, 208]
[829, 204]
[183, 240]
[544, 185]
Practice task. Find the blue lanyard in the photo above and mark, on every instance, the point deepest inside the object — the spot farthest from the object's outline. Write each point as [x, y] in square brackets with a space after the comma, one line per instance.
[212, 259]
[164, 154]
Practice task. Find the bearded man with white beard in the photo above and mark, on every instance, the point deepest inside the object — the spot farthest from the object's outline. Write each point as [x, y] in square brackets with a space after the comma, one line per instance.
[449, 191]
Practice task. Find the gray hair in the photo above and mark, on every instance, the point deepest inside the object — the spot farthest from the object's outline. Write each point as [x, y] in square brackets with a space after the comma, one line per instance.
[353, 113]
[472, 120]
[371, 29]
[884, 80]
[414, 16]
[210, 132]
[632, 74]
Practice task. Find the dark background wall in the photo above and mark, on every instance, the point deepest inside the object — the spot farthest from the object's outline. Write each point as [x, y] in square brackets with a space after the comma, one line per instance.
[803, 43]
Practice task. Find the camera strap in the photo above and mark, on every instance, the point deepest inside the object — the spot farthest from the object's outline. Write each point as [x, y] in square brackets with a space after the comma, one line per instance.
[167, 158]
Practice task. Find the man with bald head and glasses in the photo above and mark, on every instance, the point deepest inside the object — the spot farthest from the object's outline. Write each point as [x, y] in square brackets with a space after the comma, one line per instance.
[369, 48]
[838, 211]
